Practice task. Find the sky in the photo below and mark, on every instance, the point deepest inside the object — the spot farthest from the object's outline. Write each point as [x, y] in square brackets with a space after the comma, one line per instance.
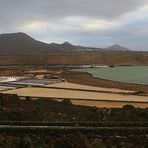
[93, 23]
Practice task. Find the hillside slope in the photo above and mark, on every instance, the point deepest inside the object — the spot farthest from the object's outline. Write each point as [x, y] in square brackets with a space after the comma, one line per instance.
[76, 58]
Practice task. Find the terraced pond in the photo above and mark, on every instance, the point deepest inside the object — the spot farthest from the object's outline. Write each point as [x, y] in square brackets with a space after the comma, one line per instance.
[130, 74]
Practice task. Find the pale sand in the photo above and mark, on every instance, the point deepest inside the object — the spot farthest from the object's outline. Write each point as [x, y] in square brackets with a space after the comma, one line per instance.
[86, 87]
[36, 71]
[73, 94]
[105, 104]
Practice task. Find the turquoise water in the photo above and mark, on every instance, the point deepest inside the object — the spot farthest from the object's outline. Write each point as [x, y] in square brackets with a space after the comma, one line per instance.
[130, 74]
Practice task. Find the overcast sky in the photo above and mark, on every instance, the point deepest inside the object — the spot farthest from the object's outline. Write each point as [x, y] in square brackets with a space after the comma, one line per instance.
[97, 23]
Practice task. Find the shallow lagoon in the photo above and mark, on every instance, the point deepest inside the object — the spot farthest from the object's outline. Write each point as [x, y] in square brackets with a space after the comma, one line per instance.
[130, 74]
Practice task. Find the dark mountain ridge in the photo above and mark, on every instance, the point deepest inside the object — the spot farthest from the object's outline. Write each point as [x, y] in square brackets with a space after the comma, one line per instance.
[22, 44]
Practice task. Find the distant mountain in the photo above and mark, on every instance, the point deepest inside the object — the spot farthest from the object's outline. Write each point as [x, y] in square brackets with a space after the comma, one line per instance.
[22, 44]
[117, 47]
[67, 44]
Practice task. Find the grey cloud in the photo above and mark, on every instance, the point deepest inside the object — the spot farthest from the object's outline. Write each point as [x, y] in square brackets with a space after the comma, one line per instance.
[51, 9]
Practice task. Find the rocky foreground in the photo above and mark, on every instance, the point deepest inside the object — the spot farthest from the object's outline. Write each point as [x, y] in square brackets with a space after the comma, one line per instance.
[14, 109]
[46, 110]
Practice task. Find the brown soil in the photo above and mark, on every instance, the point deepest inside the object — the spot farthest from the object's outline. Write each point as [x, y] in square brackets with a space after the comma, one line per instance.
[119, 58]
[9, 72]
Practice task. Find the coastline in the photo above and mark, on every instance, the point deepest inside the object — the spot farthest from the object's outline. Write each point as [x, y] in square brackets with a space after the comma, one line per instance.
[86, 78]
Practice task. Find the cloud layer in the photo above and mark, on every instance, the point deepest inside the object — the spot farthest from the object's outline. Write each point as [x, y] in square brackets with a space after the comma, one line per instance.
[98, 23]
